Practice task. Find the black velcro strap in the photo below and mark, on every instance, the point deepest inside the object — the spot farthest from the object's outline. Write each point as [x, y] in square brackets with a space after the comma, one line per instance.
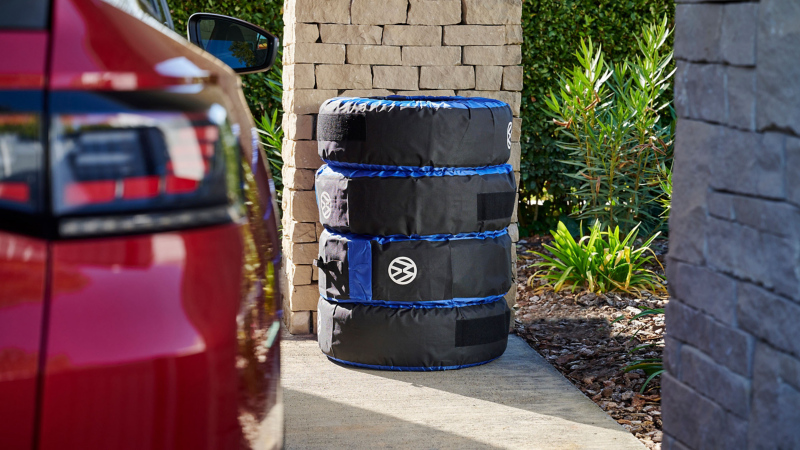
[495, 205]
[482, 331]
[341, 127]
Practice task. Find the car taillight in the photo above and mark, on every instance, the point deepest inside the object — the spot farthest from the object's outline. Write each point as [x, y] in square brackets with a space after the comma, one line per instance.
[20, 162]
[131, 172]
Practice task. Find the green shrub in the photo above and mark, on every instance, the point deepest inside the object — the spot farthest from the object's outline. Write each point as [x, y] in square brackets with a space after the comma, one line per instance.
[618, 127]
[552, 29]
[600, 262]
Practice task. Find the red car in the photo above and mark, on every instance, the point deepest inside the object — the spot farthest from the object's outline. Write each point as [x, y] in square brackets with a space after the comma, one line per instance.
[138, 240]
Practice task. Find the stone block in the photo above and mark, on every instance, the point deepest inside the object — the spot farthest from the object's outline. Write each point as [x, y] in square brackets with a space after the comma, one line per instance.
[475, 35]
[725, 344]
[373, 54]
[741, 97]
[511, 300]
[778, 74]
[726, 388]
[300, 232]
[298, 275]
[720, 205]
[792, 167]
[513, 232]
[344, 76]
[768, 216]
[315, 274]
[697, 421]
[515, 217]
[314, 53]
[297, 179]
[395, 77]
[443, 77]
[301, 253]
[300, 32]
[700, 91]
[672, 356]
[517, 177]
[491, 11]
[698, 32]
[490, 55]
[488, 78]
[769, 317]
[350, 34]
[302, 207]
[303, 298]
[516, 154]
[512, 78]
[514, 34]
[429, 93]
[300, 127]
[306, 101]
[434, 12]
[298, 76]
[738, 33]
[301, 154]
[749, 163]
[378, 12]
[763, 258]
[412, 35]
[431, 56]
[693, 148]
[297, 322]
[366, 93]
[317, 11]
[516, 129]
[320, 229]
[704, 289]
[512, 98]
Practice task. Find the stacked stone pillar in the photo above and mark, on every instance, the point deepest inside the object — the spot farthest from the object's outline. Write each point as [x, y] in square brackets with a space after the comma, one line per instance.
[367, 48]
[733, 338]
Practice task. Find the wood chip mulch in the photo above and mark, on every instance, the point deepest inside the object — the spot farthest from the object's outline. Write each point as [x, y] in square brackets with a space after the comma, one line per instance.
[575, 333]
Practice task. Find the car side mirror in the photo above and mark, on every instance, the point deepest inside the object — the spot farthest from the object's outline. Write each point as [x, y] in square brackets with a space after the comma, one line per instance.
[239, 44]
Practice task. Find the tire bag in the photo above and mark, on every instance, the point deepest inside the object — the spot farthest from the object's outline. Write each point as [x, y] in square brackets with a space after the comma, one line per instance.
[415, 131]
[415, 202]
[412, 339]
[422, 272]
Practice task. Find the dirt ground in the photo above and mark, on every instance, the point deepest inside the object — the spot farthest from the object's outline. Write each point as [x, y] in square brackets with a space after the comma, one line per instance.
[575, 333]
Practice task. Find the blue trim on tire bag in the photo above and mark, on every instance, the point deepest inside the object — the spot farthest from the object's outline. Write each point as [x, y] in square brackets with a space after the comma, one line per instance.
[432, 304]
[401, 101]
[352, 170]
[407, 368]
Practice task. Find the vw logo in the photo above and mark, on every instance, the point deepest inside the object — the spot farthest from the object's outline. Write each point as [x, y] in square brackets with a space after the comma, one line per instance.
[508, 134]
[402, 270]
[325, 206]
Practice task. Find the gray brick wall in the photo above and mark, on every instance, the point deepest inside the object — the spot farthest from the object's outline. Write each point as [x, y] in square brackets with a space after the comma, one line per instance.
[733, 346]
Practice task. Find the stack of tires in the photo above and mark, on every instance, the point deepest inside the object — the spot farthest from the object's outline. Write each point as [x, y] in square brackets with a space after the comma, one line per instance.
[414, 262]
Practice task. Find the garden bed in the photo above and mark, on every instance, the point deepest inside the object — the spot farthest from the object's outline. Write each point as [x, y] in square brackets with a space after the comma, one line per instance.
[577, 334]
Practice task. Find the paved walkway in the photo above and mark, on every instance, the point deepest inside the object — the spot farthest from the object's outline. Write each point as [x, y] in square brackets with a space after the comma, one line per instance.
[518, 401]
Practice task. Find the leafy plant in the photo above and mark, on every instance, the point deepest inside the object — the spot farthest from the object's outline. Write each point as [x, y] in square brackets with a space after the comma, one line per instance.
[617, 133]
[600, 262]
[652, 367]
[269, 128]
[552, 28]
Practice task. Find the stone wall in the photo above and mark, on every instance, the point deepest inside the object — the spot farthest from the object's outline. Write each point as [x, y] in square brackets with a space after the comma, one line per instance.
[733, 324]
[380, 47]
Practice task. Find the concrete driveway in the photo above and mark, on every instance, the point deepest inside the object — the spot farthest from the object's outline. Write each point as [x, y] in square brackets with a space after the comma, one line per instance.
[518, 401]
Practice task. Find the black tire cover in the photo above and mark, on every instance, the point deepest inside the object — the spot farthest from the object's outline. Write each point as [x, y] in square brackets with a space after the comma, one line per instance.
[415, 202]
[426, 271]
[415, 131]
[412, 338]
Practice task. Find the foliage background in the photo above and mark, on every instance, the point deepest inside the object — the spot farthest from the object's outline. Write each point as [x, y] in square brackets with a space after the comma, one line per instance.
[263, 91]
[553, 30]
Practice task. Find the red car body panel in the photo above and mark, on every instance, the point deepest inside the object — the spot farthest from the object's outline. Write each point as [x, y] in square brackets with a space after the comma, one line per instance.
[142, 342]
[24, 57]
[22, 293]
[153, 341]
